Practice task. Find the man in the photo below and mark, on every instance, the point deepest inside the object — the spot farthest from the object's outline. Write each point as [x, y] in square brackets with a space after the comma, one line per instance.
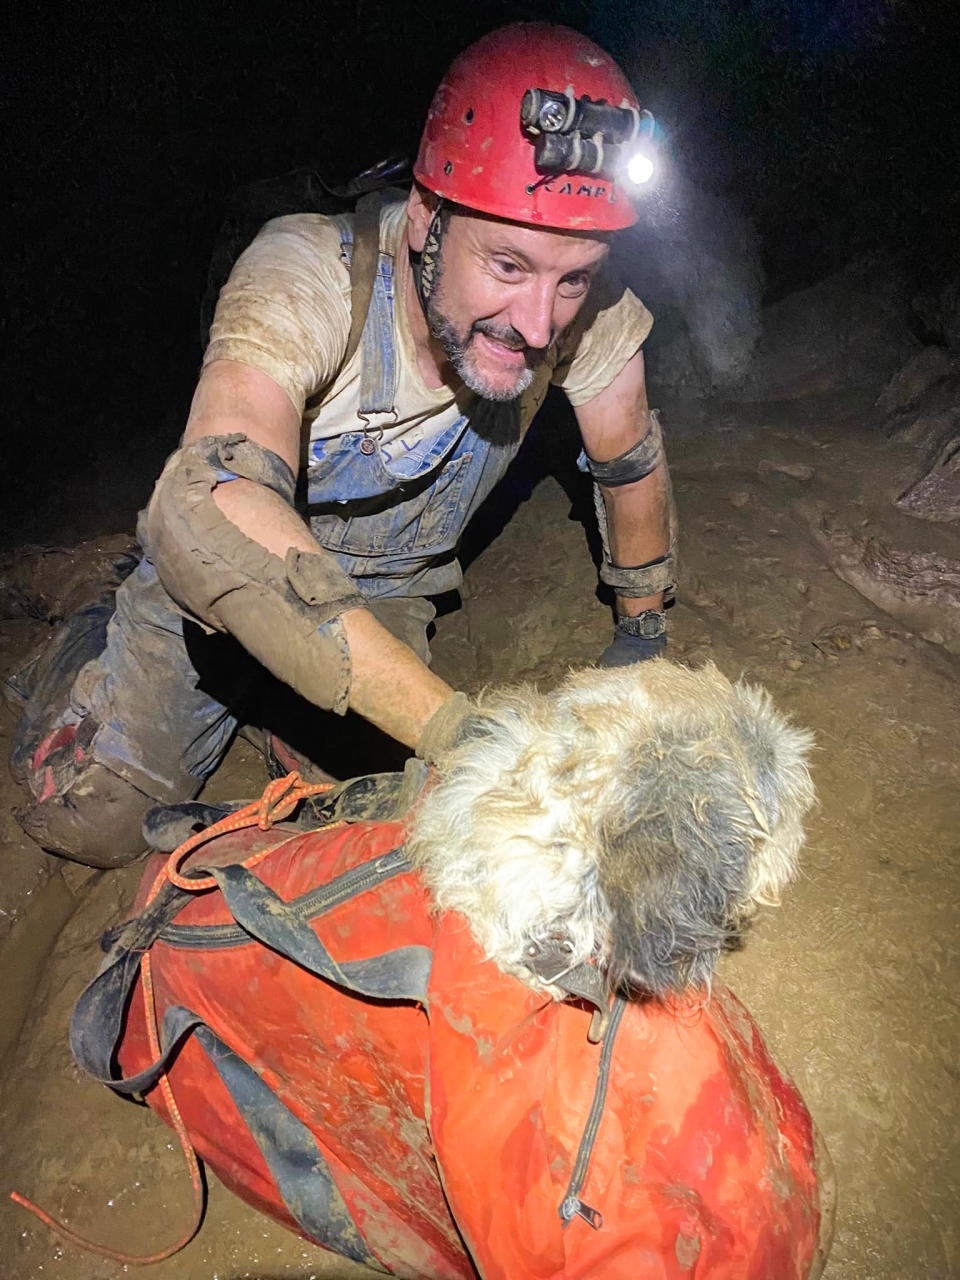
[489, 285]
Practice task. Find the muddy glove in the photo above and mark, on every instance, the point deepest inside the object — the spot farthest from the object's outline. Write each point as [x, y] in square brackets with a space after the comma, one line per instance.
[443, 730]
[636, 639]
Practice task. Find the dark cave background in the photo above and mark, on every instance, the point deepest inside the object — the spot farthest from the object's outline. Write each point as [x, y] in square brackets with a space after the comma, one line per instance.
[832, 123]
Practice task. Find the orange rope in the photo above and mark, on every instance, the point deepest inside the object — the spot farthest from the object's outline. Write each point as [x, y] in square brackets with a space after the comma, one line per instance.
[280, 797]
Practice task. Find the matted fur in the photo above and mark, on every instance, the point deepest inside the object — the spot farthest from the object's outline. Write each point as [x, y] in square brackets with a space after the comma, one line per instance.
[642, 812]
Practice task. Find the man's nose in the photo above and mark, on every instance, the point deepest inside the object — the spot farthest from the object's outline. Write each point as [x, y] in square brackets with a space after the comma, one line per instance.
[532, 314]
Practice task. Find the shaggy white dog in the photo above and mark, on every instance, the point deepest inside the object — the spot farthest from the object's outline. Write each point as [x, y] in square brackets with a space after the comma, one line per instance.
[639, 815]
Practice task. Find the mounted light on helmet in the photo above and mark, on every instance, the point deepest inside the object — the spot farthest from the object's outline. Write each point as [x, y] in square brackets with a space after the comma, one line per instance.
[640, 168]
[580, 135]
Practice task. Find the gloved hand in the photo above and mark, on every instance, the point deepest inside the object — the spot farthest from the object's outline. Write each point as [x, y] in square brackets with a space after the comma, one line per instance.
[636, 640]
[442, 731]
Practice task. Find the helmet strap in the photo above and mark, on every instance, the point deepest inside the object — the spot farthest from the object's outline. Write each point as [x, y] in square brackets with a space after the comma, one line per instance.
[426, 264]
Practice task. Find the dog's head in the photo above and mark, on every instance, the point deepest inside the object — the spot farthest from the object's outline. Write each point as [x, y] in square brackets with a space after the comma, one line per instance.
[641, 813]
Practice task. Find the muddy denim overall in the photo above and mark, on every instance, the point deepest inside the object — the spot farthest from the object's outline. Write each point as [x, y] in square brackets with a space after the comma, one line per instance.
[392, 518]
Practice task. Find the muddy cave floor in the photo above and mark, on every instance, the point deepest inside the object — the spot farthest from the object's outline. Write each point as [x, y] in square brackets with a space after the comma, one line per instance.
[852, 980]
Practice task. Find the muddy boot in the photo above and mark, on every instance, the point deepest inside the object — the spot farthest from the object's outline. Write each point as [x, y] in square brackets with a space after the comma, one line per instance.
[78, 808]
[96, 821]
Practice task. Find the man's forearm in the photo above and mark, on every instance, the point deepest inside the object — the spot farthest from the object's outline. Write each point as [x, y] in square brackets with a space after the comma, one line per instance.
[638, 531]
[389, 685]
[621, 438]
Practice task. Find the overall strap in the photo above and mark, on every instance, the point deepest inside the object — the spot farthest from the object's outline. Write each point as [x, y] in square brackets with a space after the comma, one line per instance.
[371, 305]
[363, 265]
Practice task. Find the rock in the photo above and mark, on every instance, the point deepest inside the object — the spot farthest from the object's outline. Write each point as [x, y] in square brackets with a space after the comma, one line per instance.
[910, 383]
[923, 410]
[936, 495]
[920, 588]
[930, 432]
[937, 306]
[846, 331]
[77, 877]
[694, 258]
[739, 498]
[796, 470]
[930, 419]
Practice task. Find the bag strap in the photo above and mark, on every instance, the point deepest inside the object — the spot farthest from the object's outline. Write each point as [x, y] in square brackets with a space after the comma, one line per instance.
[363, 266]
[96, 1027]
[401, 974]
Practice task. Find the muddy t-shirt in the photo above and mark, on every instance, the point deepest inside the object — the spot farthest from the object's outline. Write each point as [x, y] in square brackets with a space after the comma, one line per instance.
[286, 311]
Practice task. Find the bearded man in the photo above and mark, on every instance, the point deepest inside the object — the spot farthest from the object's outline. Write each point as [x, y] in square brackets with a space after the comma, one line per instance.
[336, 449]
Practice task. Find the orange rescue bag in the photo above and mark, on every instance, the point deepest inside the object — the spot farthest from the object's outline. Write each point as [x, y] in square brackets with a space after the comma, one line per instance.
[346, 1061]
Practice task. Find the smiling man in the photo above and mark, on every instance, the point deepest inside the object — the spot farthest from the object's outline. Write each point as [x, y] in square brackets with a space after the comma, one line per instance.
[326, 476]
[503, 275]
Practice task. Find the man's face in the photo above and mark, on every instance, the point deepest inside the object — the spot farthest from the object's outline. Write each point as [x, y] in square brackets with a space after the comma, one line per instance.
[502, 294]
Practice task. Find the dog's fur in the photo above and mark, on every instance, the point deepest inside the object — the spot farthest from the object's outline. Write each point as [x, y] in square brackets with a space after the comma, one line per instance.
[642, 813]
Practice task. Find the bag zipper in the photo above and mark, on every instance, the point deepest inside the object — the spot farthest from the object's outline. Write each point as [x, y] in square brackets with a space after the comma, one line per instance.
[324, 898]
[572, 1206]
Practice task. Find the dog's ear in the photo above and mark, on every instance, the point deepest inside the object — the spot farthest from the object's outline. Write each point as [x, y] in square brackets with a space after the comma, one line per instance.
[675, 861]
[703, 821]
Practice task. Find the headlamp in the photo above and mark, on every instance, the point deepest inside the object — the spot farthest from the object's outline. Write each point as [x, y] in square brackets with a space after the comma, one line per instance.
[578, 135]
[640, 168]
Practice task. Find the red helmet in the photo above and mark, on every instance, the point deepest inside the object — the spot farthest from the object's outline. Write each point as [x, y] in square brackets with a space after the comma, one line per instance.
[475, 150]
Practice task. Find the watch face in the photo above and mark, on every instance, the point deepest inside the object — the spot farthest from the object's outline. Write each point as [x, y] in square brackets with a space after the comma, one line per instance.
[652, 624]
[648, 625]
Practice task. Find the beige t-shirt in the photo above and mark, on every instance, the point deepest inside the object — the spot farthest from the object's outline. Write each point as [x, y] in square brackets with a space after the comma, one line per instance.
[286, 311]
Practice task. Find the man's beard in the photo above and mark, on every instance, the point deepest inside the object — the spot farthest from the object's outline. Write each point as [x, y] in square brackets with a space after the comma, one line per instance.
[458, 348]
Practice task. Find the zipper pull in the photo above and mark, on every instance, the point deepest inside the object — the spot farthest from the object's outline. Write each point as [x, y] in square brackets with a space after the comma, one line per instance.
[574, 1207]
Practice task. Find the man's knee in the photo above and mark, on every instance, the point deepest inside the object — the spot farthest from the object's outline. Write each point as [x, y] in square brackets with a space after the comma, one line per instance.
[97, 820]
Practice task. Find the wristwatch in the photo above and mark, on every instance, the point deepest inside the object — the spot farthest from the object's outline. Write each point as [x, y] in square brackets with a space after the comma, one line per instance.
[649, 624]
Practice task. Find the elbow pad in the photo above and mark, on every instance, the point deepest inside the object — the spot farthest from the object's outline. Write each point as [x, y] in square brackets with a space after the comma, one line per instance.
[285, 612]
[638, 462]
